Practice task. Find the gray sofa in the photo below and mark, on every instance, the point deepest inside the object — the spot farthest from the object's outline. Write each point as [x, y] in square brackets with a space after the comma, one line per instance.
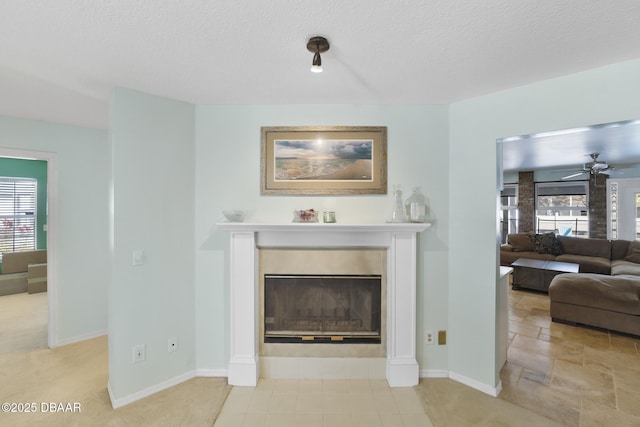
[605, 301]
[608, 302]
[593, 255]
[606, 291]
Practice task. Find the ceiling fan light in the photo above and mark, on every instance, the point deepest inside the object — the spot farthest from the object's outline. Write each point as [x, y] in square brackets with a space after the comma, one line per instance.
[316, 67]
[594, 168]
[317, 45]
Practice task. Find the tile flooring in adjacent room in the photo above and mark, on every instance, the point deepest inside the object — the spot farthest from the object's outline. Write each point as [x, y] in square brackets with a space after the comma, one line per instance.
[575, 375]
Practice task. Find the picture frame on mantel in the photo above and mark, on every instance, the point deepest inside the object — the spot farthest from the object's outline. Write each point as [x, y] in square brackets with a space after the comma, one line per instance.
[324, 160]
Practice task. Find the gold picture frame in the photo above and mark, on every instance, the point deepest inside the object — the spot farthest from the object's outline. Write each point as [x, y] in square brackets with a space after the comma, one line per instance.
[324, 160]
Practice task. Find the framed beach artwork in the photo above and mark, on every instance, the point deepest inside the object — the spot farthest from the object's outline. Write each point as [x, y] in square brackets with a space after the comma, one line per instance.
[324, 160]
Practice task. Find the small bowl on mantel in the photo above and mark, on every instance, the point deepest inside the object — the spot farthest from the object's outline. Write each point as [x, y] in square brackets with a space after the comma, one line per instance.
[233, 215]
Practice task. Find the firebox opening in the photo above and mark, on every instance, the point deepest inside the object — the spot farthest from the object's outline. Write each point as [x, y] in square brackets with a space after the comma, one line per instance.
[322, 309]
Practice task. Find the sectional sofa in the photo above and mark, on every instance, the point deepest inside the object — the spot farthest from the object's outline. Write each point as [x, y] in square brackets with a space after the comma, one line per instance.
[606, 291]
[593, 255]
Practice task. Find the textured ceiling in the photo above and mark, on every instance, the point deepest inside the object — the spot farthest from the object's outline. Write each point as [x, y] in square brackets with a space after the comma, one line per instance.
[60, 59]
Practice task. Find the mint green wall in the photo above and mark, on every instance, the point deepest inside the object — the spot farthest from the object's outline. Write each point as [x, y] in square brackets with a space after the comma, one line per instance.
[174, 167]
[602, 95]
[82, 225]
[36, 169]
[152, 208]
[176, 164]
[227, 176]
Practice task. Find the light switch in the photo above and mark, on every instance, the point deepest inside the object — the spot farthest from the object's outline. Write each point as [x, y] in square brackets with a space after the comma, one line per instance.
[138, 257]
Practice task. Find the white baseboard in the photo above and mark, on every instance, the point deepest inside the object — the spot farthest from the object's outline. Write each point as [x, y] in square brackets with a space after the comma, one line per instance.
[425, 373]
[442, 373]
[498, 388]
[79, 338]
[212, 373]
[491, 391]
[434, 373]
[117, 403]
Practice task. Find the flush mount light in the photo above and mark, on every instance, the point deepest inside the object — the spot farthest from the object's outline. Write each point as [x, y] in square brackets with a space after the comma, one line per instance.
[317, 45]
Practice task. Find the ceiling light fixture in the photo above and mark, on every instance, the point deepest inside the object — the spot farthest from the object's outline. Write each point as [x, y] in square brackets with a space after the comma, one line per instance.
[317, 45]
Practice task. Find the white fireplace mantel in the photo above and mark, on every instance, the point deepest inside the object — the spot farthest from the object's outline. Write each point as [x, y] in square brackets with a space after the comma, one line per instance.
[398, 238]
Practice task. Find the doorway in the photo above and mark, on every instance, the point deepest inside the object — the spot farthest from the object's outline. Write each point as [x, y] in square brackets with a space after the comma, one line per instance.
[52, 211]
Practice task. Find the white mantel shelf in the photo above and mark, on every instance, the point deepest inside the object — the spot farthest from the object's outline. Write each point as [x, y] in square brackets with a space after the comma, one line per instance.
[322, 227]
[321, 235]
[400, 240]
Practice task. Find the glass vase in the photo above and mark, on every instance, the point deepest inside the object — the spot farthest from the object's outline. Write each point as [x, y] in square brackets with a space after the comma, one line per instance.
[397, 209]
[416, 206]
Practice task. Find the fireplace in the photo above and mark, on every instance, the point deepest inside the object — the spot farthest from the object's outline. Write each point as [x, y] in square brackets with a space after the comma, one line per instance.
[248, 360]
[322, 309]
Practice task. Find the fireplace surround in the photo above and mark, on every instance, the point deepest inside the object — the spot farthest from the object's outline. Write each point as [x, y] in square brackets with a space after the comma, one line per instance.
[398, 239]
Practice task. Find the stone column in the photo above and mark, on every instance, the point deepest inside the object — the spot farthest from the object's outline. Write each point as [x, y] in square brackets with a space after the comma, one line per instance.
[526, 202]
[598, 206]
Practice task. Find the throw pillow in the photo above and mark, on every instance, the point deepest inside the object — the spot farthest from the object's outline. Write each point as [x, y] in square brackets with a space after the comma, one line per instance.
[520, 242]
[633, 254]
[545, 243]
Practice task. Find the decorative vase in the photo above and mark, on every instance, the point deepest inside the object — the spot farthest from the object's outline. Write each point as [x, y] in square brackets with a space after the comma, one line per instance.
[416, 206]
[397, 210]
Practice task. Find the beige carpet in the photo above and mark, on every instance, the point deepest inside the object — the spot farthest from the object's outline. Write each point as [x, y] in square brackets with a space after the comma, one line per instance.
[78, 373]
[23, 322]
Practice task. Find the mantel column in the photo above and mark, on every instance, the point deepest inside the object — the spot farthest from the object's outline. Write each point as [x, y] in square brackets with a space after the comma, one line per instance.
[402, 366]
[243, 361]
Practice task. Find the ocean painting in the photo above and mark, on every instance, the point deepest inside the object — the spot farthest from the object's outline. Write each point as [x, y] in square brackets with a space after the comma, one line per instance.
[323, 160]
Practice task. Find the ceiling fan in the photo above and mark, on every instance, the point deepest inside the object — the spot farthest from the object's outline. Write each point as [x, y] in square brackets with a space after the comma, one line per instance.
[594, 167]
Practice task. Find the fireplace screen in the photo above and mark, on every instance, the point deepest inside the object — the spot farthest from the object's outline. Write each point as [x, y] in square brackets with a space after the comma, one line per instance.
[316, 309]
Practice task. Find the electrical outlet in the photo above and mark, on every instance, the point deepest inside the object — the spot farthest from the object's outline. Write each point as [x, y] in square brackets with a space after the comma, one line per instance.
[428, 337]
[139, 353]
[172, 344]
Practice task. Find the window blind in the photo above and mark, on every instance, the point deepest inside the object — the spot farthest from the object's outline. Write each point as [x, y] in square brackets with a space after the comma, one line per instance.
[508, 191]
[17, 214]
[562, 189]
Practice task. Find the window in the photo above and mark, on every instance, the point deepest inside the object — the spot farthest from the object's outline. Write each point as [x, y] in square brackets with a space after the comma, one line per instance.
[562, 207]
[17, 214]
[508, 210]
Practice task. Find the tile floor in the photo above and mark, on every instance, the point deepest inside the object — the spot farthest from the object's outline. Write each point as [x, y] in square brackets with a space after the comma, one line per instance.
[575, 375]
[322, 403]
